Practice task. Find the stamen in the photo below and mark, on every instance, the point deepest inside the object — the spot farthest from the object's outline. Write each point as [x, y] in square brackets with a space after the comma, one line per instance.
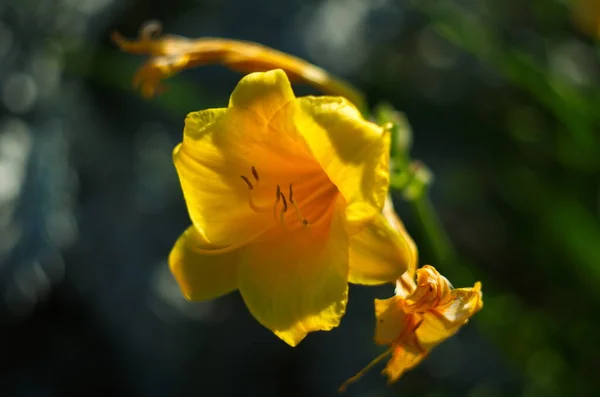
[250, 186]
[282, 218]
[360, 373]
[284, 209]
[277, 200]
[255, 207]
[255, 174]
[291, 196]
[279, 197]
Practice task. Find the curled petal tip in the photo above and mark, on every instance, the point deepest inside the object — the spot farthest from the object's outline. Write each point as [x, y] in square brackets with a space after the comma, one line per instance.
[150, 29]
[118, 39]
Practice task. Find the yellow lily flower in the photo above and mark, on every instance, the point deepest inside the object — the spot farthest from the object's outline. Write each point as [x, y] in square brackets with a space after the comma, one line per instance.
[419, 317]
[285, 196]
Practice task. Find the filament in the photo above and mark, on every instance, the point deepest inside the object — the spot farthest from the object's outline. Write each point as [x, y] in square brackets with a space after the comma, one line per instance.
[252, 187]
[360, 373]
[293, 202]
[284, 209]
[277, 200]
[285, 206]
[255, 207]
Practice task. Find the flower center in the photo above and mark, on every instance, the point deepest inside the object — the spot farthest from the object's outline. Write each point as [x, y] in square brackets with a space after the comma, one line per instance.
[432, 290]
[283, 202]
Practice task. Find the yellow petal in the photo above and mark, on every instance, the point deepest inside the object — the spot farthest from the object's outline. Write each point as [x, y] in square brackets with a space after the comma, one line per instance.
[390, 214]
[202, 277]
[405, 286]
[403, 359]
[263, 93]
[221, 145]
[216, 196]
[465, 303]
[444, 321]
[378, 254]
[353, 152]
[407, 352]
[390, 320]
[298, 284]
[249, 136]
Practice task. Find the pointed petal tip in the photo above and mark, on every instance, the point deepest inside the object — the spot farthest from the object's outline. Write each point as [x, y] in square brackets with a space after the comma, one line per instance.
[265, 93]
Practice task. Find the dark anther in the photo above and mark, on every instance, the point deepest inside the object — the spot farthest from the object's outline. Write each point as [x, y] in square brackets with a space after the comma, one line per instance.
[255, 174]
[304, 222]
[250, 186]
[291, 194]
[284, 202]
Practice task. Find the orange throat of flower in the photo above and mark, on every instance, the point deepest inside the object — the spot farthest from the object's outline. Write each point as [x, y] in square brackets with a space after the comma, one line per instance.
[311, 209]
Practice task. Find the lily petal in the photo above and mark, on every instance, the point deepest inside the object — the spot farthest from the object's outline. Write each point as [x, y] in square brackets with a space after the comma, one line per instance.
[263, 93]
[378, 254]
[444, 321]
[216, 196]
[353, 152]
[389, 212]
[222, 145]
[200, 276]
[298, 284]
[390, 320]
[403, 358]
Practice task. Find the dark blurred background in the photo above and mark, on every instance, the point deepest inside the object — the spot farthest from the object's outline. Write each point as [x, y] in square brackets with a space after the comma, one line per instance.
[504, 101]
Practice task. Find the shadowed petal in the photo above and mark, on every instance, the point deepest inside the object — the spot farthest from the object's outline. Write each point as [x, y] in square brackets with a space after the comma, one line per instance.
[298, 284]
[201, 276]
[378, 254]
[353, 152]
[390, 320]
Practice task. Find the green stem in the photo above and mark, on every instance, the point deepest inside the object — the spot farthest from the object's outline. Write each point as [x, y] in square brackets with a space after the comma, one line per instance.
[432, 228]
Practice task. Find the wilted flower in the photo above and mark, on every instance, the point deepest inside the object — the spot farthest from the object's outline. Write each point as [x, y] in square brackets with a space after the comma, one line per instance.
[419, 317]
[171, 54]
[285, 195]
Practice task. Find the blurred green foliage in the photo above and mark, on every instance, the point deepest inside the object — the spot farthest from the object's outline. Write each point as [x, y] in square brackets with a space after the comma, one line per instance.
[543, 312]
